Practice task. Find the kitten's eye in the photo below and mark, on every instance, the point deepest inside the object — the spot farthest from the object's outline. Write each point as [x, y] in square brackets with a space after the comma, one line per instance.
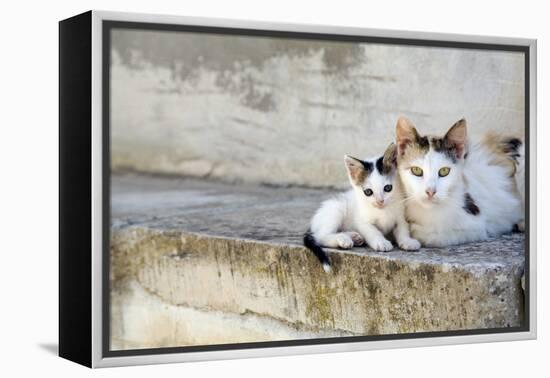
[444, 171]
[417, 171]
[368, 192]
[388, 188]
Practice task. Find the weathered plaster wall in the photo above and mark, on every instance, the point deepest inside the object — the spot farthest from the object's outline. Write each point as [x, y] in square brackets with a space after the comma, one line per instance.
[286, 111]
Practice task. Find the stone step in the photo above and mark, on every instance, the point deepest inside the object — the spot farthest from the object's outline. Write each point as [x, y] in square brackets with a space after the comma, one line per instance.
[236, 250]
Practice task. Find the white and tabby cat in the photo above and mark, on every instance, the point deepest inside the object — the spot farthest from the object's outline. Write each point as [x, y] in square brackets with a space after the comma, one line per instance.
[456, 192]
[372, 209]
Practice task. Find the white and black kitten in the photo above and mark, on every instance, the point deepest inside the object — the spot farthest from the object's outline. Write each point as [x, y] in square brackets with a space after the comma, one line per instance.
[367, 213]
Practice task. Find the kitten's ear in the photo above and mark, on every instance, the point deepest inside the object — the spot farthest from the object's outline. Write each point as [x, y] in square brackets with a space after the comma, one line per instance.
[456, 137]
[357, 170]
[389, 161]
[405, 134]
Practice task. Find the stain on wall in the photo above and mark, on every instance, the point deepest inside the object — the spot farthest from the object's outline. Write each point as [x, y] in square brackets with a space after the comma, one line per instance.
[284, 111]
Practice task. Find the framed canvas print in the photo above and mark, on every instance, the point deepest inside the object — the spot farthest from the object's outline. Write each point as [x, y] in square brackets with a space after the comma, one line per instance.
[237, 189]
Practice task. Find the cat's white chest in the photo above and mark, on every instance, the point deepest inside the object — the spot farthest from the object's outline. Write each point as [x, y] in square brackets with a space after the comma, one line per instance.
[385, 224]
[381, 219]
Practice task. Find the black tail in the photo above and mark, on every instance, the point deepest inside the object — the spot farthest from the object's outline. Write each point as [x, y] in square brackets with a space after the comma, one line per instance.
[313, 246]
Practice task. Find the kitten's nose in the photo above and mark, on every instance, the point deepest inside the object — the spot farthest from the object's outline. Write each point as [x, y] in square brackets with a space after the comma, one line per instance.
[431, 193]
[380, 202]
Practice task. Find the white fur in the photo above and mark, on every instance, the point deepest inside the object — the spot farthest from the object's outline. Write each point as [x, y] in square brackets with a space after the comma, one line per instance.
[353, 215]
[520, 182]
[443, 220]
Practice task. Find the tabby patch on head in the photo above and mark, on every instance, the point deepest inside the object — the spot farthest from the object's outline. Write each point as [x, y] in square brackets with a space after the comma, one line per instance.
[386, 164]
[430, 166]
[358, 170]
[411, 144]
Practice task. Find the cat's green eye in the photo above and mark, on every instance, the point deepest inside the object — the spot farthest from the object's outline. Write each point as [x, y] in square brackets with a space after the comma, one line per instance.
[444, 171]
[417, 171]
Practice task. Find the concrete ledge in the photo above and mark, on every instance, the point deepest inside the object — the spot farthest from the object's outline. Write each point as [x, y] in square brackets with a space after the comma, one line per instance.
[190, 244]
[143, 320]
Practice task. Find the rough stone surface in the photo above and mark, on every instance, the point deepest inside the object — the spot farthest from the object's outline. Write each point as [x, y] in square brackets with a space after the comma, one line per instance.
[205, 246]
[143, 320]
[286, 111]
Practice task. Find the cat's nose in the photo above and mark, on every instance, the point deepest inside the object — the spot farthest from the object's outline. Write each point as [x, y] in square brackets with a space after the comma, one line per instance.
[431, 193]
[380, 203]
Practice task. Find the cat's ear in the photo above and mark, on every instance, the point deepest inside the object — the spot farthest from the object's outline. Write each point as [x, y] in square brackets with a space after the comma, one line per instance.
[389, 161]
[456, 138]
[358, 170]
[405, 134]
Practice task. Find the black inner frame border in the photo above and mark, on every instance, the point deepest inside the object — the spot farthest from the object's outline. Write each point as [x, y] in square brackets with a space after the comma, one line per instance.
[109, 25]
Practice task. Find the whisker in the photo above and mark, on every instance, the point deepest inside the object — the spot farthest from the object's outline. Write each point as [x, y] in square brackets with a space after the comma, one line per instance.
[406, 199]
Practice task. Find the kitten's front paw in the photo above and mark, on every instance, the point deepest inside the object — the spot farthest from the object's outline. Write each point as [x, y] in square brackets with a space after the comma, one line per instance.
[382, 245]
[344, 241]
[357, 238]
[410, 244]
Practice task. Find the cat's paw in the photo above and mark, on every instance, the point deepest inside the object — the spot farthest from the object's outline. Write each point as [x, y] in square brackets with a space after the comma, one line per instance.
[357, 238]
[344, 241]
[382, 244]
[409, 244]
